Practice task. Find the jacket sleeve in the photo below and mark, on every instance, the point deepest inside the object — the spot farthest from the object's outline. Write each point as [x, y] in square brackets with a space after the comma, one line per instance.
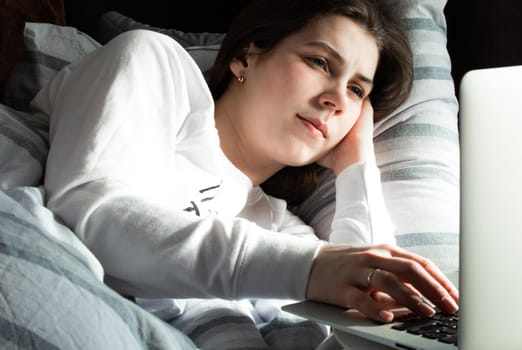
[361, 216]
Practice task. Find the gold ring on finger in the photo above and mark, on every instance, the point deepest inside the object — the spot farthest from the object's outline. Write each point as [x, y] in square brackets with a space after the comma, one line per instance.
[370, 276]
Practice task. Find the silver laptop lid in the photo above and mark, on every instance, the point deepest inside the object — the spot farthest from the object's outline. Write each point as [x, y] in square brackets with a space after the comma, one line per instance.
[491, 209]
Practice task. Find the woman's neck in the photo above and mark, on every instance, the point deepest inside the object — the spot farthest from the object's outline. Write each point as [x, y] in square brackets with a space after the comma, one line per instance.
[254, 164]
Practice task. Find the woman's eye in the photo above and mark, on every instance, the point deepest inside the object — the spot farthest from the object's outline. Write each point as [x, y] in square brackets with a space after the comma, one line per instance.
[319, 62]
[357, 91]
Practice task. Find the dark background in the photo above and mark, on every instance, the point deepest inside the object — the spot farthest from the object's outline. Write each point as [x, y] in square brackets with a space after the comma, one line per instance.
[481, 33]
[484, 34]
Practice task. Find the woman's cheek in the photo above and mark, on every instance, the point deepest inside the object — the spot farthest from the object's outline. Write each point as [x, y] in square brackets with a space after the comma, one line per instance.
[346, 126]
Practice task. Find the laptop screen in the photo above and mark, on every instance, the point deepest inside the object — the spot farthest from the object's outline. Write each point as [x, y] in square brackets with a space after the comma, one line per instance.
[491, 209]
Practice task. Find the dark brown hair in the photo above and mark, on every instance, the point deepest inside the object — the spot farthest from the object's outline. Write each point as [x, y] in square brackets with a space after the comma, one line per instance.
[266, 22]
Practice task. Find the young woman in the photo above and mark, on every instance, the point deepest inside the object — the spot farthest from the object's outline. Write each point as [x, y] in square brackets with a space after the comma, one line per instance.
[162, 177]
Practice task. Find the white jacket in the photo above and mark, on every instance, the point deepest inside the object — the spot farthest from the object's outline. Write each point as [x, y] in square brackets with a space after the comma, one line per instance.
[135, 169]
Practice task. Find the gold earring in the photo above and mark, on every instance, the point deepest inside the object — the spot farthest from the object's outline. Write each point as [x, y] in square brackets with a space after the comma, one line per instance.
[241, 79]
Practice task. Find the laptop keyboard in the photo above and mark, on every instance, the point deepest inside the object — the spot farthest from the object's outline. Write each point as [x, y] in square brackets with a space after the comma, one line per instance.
[442, 327]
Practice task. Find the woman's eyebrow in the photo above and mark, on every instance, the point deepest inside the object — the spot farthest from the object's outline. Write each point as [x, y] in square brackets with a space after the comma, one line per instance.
[333, 52]
[364, 79]
[340, 60]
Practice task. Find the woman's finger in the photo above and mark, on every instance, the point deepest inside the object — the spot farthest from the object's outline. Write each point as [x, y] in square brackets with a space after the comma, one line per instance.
[396, 271]
[388, 282]
[408, 278]
[428, 266]
[375, 305]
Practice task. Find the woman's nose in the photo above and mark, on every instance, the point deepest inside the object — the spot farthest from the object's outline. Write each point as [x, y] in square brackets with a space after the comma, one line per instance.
[334, 98]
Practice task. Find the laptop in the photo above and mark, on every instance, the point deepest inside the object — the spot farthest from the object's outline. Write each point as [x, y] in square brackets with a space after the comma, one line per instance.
[490, 276]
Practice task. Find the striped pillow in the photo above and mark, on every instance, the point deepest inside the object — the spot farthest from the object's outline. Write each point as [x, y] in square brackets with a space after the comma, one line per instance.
[48, 48]
[23, 150]
[51, 299]
[417, 148]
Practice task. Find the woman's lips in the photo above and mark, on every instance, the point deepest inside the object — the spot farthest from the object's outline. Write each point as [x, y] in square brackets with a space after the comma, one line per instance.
[315, 126]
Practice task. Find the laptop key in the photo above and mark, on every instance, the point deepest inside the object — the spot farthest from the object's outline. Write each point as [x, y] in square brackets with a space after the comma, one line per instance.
[442, 327]
[450, 339]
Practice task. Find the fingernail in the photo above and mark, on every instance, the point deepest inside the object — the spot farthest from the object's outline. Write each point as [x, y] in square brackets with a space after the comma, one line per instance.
[424, 308]
[427, 310]
[386, 316]
[450, 302]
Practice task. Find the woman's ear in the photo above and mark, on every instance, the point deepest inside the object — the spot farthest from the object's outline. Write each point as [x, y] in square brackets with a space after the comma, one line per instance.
[237, 67]
[239, 63]
[246, 56]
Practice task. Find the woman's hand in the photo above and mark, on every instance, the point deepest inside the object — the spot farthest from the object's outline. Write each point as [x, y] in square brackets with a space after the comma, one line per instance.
[377, 279]
[356, 146]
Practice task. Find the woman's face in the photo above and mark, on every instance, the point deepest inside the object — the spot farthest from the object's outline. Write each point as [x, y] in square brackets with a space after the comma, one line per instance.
[300, 99]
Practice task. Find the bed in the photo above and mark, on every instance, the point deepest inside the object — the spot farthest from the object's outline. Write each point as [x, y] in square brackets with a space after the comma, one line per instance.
[52, 293]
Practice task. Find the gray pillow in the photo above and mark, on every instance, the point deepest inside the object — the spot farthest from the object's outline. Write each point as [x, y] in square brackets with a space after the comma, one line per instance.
[113, 23]
[202, 46]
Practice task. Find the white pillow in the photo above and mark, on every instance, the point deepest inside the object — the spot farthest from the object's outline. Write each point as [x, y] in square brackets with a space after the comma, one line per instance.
[417, 148]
